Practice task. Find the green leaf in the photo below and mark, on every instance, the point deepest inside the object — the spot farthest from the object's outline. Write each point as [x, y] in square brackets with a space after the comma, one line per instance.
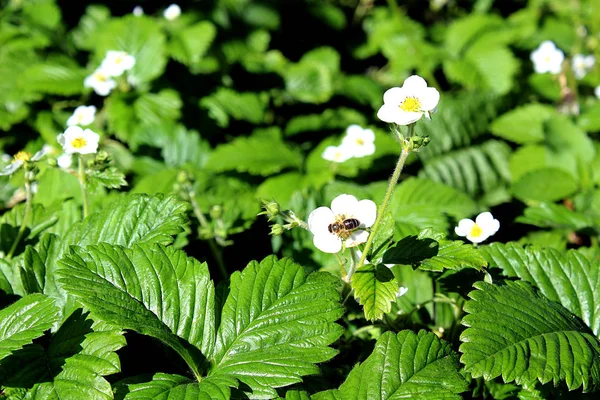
[53, 78]
[132, 219]
[568, 278]
[375, 288]
[309, 82]
[156, 108]
[545, 184]
[260, 154]
[406, 365]
[142, 37]
[151, 289]
[524, 124]
[180, 388]
[189, 45]
[185, 147]
[276, 323]
[549, 215]
[467, 29]
[330, 119]
[110, 178]
[411, 250]
[24, 321]
[517, 333]
[227, 103]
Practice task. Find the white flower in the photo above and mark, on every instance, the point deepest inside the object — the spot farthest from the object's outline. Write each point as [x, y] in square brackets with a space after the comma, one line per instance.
[358, 141]
[484, 226]
[337, 154]
[172, 12]
[346, 222]
[406, 105]
[117, 62]
[100, 81]
[20, 158]
[82, 116]
[138, 11]
[582, 64]
[65, 161]
[77, 140]
[402, 291]
[547, 58]
[597, 91]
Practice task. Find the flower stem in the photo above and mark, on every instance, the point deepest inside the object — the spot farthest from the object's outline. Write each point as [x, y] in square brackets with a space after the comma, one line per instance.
[214, 247]
[21, 232]
[387, 198]
[83, 184]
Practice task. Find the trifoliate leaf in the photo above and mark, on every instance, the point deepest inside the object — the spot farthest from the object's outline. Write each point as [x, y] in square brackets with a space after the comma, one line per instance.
[568, 278]
[406, 365]
[276, 324]
[151, 289]
[517, 333]
[375, 288]
[260, 154]
[24, 321]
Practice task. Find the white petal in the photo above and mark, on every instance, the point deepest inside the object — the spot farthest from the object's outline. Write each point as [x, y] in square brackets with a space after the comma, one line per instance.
[356, 238]
[597, 91]
[387, 113]
[363, 150]
[11, 168]
[488, 224]
[327, 243]
[429, 98]
[394, 96]
[407, 118]
[464, 227]
[366, 213]
[402, 291]
[344, 204]
[414, 84]
[477, 239]
[319, 220]
[354, 130]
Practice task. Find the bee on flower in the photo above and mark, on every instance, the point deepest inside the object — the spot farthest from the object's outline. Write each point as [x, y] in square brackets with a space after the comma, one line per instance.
[172, 12]
[408, 104]
[484, 226]
[80, 141]
[342, 225]
[100, 80]
[582, 64]
[547, 58]
[116, 62]
[83, 116]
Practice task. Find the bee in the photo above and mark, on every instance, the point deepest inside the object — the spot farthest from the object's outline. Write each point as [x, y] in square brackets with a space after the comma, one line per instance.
[346, 225]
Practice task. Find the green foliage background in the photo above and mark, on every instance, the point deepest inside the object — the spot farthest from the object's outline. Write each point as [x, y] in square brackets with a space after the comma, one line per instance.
[235, 101]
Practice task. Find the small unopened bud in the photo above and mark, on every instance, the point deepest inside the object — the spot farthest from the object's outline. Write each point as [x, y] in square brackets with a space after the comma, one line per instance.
[277, 230]
[182, 177]
[272, 209]
[216, 212]
[102, 156]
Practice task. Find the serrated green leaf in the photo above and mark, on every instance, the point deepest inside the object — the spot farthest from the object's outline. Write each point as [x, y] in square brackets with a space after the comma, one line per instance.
[549, 215]
[375, 288]
[276, 323]
[226, 103]
[545, 184]
[309, 82]
[411, 250]
[517, 333]
[568, 278]
[24, 321]
[524, 124]
[406, 365]
[53, 78]
[189, 45]
[156, 108]
[260, 154]
[110, 178]
[180, 388]
[124, 287]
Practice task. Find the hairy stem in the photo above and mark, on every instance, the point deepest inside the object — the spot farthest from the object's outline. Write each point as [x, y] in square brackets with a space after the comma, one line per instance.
[387, 198]
[21, 232]
[83, 185]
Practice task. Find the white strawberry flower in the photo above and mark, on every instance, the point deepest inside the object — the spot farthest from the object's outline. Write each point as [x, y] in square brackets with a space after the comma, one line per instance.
[76, 140]
[345, 222]
[407, 104]
[138, 11]
[83, 115]
[547, 58]
[21, 158]
[359, 142]
[479, 230]
[116, 62]
[172, 12]
[582, 64]
[337, 154]
[65, 161]
[101, 82]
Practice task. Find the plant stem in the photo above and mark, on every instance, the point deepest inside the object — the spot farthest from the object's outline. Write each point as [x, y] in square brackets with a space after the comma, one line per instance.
[21, 232]
[214, 247]
[83, 184]
[386, 199]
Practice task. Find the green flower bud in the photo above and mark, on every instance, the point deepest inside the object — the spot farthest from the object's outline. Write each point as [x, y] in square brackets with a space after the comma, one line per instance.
[216, 212]
[277, 230]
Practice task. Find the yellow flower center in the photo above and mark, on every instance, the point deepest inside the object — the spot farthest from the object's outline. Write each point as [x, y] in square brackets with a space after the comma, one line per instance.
[118, 60]
[22, 156]
[101, 77]
[411, 104]
[78, 143]
[476, 231]
[360, 142]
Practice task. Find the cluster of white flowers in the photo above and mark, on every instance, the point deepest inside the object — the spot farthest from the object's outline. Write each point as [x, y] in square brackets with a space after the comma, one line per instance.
[547, 58]
[408, 104]
[115, 63]
[358, 142]
[75, 139]
[172, 12]
[484, 226]
[582, 64]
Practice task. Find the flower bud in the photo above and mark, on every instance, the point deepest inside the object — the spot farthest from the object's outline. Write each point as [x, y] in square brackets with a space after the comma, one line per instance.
[272, 209]
[216, 212]
[277, 230]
